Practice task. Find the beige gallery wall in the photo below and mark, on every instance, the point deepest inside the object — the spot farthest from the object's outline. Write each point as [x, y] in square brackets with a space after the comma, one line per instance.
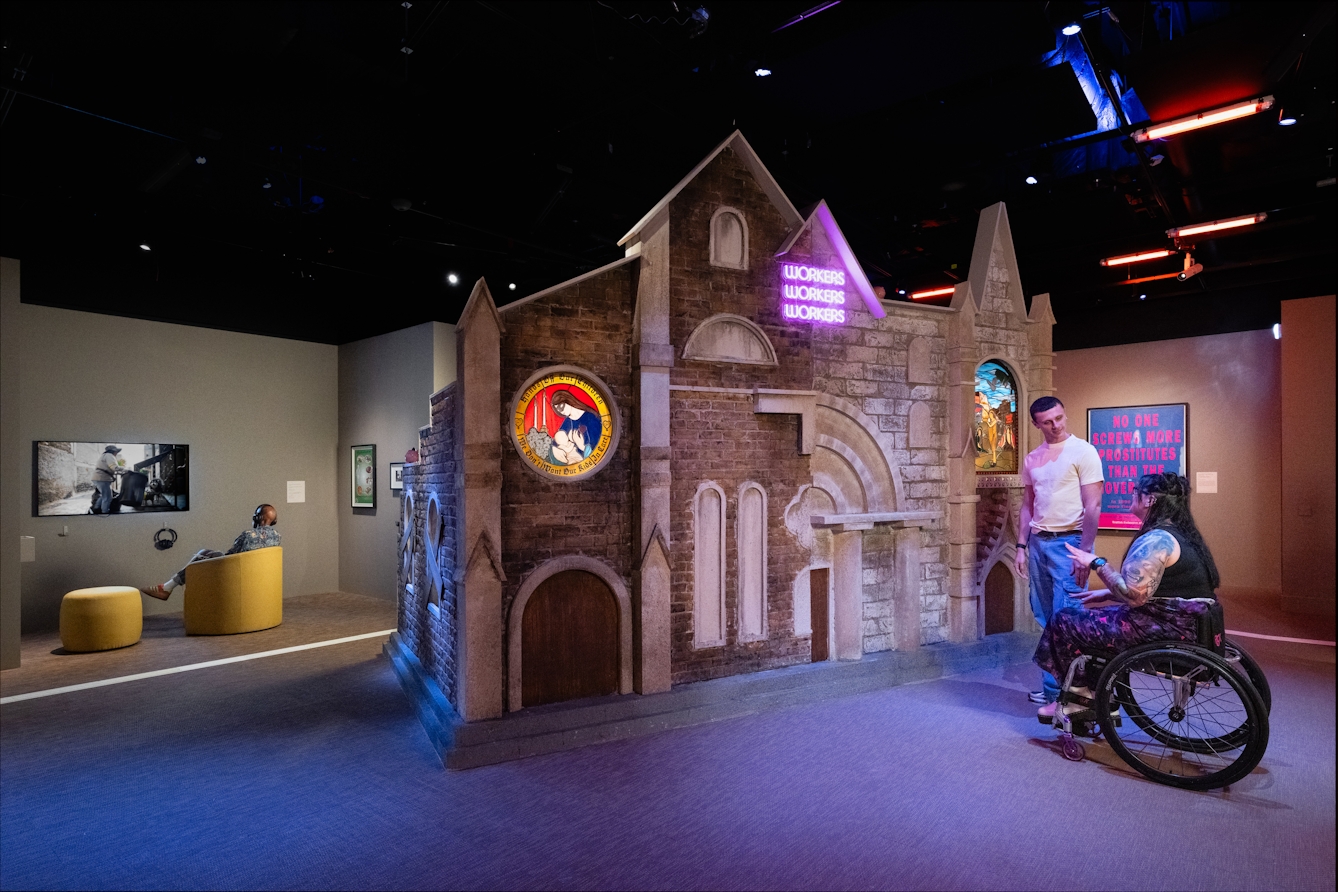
[385, 383]
[256, 412]
[1307, 455]
[1232, 383]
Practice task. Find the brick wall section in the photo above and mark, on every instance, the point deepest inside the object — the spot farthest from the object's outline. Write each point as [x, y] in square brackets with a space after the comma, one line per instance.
[588, 325]
[431, 633]
[698, 290]
[718, 437]
[865, 361]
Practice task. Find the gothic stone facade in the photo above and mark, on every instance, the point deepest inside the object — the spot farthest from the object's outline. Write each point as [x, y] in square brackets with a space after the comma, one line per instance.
[754, 450]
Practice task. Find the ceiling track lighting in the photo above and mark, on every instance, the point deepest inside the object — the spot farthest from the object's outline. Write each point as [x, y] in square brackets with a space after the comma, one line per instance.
[935, 292]
[1215, 226]
[1137, 258]
[1204, 119]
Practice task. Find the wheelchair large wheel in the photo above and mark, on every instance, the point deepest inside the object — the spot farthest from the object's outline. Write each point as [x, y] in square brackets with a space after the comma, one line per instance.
[1192, 720]
[1236, 655]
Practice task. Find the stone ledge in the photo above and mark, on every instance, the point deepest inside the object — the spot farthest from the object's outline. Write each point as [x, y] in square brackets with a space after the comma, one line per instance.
[563, 726]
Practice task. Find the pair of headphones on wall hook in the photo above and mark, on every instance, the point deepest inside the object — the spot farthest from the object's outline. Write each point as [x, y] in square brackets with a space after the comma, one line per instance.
[164, 538]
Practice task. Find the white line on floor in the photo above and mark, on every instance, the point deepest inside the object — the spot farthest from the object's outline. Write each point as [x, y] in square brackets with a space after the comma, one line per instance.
[175, 669]
[1280, 638]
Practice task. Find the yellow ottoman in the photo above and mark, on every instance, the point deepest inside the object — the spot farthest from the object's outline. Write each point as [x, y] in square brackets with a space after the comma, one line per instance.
[101, 618]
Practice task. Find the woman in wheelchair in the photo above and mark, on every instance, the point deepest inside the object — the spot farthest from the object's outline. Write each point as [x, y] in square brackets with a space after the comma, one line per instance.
[1146, 600]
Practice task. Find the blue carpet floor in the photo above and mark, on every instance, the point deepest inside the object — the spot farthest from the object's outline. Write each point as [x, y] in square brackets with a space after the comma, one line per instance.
[310, 771]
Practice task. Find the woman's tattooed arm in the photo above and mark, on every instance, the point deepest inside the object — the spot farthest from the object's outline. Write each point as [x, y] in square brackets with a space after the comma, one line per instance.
[1141, 574]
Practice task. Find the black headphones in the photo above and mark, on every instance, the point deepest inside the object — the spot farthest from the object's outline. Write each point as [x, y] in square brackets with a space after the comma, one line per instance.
[164, 539]
[260, 513]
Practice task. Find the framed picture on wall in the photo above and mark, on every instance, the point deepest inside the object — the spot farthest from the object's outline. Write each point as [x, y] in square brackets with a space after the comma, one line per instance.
[363, 482]
[396, 476]
[1133, 441]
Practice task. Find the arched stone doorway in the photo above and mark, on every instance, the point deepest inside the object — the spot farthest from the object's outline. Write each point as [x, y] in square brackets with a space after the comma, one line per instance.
[520, 645]
[569, 639]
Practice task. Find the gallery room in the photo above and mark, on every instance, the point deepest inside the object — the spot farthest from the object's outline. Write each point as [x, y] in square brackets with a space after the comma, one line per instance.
[667, 445]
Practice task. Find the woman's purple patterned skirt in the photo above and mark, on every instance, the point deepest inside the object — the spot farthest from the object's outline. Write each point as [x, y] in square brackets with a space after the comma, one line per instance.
[1106, 631]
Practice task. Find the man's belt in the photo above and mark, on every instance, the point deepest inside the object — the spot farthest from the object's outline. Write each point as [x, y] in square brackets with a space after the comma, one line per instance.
[1055, 534]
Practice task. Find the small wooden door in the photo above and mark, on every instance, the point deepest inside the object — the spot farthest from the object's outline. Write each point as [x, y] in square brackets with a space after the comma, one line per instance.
[569, 640]
[818, 596]
[998, 600]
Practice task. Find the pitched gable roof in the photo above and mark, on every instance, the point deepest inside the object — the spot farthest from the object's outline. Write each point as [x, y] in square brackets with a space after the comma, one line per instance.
[823, 215]
[765, 180]
[994, 238]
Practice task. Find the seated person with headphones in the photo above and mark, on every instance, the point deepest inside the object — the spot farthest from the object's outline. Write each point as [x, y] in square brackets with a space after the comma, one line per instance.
[261, 535]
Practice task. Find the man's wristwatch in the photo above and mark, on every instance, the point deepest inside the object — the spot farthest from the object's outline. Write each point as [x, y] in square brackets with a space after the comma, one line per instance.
[1097, 564]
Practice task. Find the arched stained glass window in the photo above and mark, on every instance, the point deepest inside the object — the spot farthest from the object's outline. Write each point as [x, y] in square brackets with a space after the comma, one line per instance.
[995, 424]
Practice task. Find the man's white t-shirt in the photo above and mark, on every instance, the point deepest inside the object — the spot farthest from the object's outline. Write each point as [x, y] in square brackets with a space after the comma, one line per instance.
[1058, 480]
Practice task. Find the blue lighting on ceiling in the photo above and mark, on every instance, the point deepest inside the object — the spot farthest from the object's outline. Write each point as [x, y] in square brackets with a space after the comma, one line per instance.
[1106, 154]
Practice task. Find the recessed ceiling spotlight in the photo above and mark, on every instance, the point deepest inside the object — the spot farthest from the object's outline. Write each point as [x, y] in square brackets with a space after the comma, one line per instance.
[901, 291]
[1287, 121]
[453, 278]
[1071, 29]
[1142, 297]
[144, 247]
[267, 184]
[511, 287]
[200, 159]
[1032, 181]
[763, 72]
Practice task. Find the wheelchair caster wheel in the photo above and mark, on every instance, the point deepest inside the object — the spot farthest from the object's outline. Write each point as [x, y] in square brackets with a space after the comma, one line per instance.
[1072, 749]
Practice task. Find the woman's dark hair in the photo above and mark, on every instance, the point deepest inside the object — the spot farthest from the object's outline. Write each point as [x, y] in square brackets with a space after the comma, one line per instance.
[1171, 509]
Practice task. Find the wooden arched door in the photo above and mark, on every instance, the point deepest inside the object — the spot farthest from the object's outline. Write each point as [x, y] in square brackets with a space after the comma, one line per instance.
[569, 640]
[998, 600]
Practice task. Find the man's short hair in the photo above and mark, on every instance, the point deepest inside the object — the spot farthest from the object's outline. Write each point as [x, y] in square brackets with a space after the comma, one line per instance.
[1044, 404]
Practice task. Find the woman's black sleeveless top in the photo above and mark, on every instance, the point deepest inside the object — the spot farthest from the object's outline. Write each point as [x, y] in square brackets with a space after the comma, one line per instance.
[1187, 577]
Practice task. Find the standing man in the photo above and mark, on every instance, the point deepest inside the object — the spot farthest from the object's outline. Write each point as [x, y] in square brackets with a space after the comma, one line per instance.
[1061, 505]
[104, 474]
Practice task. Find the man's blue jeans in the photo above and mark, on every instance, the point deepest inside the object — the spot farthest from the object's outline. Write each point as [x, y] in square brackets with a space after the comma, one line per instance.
[1050, 571]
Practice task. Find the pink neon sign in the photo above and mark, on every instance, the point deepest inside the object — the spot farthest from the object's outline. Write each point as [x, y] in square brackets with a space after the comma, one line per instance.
[813, 294]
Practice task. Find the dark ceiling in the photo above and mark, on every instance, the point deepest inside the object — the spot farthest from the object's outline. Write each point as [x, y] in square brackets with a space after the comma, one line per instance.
[298, 172]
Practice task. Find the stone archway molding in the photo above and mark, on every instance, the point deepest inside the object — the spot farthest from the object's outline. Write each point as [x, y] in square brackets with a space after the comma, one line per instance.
[527, 587]
[878, 457]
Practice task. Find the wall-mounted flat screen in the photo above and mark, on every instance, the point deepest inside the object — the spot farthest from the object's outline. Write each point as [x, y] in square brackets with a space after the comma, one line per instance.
[109, 478]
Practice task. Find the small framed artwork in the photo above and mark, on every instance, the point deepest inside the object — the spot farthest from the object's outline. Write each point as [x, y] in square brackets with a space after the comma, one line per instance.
[363, 482]
[1133, 441]
[396, 476]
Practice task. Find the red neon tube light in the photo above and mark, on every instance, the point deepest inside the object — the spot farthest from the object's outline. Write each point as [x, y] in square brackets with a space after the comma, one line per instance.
[1216, 226]
[937, 292]
[1135, 258]
[1205, 119]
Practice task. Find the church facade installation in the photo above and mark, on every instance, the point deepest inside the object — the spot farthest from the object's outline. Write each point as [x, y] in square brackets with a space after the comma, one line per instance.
[721, 454]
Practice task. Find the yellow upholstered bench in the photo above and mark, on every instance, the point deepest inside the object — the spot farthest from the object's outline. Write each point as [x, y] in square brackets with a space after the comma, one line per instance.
[235, 593]
[101, 618]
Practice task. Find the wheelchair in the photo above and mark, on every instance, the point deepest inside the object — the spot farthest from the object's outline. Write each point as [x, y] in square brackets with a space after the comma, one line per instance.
[1192, 715]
